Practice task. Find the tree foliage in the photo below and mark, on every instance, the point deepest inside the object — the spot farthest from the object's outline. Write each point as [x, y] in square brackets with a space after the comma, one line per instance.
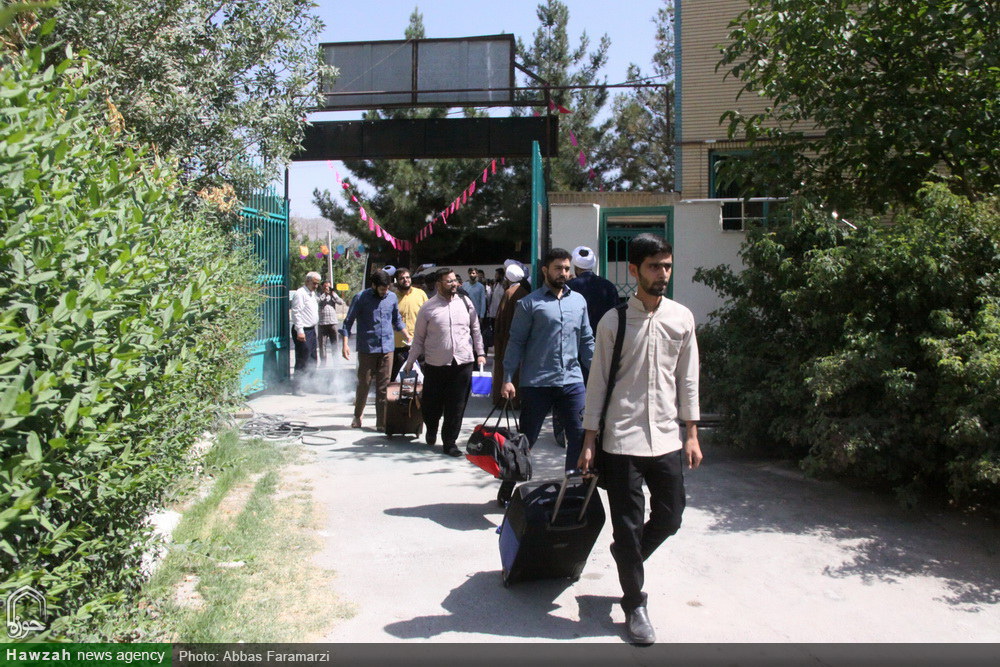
[222, 86]
[495, 223]
[551, 56]
[870, 99]
[405, 192]
[639, 149]
[123, 322]
[871, 353]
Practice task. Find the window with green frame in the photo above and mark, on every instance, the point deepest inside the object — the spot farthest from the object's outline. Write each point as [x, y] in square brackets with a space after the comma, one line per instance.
[736, 215]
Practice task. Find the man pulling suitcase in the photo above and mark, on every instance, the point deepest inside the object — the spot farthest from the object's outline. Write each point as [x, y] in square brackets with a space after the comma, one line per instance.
[447, 336]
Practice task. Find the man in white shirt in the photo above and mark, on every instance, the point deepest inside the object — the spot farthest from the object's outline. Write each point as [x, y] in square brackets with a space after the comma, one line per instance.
[656, 385]
[304, 318]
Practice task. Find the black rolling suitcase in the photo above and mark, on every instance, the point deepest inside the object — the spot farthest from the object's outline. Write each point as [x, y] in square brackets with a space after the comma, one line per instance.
[550, 528]
[402, 406]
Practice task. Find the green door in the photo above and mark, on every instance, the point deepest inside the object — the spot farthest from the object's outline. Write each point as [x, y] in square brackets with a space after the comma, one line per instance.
[618, 227]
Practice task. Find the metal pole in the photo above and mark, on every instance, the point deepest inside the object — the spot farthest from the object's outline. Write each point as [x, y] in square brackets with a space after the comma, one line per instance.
[329, 257]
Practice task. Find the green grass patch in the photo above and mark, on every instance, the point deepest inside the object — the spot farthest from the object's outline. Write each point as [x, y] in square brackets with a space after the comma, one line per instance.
[239, 567]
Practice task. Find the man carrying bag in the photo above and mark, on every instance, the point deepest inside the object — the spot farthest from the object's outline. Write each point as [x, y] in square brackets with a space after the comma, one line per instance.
[656, 386]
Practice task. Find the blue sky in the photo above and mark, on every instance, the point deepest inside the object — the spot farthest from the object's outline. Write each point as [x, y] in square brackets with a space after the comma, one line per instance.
[628, 23]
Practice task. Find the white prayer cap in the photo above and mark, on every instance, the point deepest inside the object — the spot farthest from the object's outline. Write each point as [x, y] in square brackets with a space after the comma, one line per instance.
[514, 273]
[584, 258]
[390, 269]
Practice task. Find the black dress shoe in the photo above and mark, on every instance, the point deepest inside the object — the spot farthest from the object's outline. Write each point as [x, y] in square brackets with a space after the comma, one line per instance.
[640, 630]
[452, 450]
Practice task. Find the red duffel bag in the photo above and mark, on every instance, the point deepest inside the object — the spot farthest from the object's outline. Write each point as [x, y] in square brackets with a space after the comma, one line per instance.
[501, 451]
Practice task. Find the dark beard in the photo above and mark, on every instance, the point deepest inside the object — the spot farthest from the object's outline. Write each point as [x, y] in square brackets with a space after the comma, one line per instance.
[654, 289]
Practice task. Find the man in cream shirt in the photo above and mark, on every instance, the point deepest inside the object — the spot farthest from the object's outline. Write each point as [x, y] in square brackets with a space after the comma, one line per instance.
[656, 385]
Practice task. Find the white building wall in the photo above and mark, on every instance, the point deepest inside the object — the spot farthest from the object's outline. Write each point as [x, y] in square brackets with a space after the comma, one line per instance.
[574, 225]
[700, 242]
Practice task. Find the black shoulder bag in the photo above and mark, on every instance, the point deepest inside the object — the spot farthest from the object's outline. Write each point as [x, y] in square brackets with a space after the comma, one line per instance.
[600, 460]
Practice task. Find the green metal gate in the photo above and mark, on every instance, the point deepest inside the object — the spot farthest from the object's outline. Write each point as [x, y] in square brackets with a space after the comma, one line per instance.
[621, 225]
[264, 222]
[539, 209]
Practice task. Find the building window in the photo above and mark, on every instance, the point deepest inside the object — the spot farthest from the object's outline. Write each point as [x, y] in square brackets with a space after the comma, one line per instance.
[739, 211]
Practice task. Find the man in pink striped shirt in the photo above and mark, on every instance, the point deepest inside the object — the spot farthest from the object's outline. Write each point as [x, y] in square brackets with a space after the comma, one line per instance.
[448, 338]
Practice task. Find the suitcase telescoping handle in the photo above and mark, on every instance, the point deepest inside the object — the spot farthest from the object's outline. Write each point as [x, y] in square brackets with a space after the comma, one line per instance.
[574, 474]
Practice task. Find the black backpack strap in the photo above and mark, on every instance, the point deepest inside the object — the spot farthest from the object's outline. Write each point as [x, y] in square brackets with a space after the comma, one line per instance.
[616, 359]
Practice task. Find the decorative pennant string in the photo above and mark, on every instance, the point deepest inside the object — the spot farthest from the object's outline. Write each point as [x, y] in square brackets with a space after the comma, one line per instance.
[427, 230]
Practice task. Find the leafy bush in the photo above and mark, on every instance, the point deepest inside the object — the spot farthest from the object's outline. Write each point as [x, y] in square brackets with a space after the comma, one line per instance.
[871, 353]
[123, 318]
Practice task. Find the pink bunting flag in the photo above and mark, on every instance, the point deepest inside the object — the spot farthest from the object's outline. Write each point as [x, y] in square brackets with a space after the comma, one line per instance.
[486, 175]
[364, 216]
[354, 199]
[378, 231]
[336, 174]
[472, 188]
[371, 224]
[444, 218]
[465, 196]
[563, 109]
[552, 105]
[503, 161]
[345, 185]
[537, 112]
[572, 138]
[583, 159]
[494, 164]
[592, 174]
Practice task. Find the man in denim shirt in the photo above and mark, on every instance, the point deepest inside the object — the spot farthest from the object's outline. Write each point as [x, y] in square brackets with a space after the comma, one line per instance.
[551, 342]
[377, 312]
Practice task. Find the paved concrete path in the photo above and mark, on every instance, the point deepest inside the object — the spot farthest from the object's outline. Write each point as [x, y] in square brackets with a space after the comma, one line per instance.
[764, 554]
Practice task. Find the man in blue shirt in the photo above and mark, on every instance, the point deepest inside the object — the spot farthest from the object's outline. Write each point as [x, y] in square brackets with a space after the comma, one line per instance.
[477, 293]
[601, 296]
[376, 310]
[551, 342]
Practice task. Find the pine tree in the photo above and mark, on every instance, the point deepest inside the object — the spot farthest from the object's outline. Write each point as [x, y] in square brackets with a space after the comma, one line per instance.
[404, 193]
[552, 59]
[640, 152]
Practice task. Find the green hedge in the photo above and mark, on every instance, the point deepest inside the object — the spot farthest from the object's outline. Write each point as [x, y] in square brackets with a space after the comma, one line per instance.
[124, 315]
[871, 353]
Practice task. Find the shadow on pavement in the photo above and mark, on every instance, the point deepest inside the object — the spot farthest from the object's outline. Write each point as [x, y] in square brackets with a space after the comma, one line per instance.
[882, 541]
[483, 605]
[453, 516]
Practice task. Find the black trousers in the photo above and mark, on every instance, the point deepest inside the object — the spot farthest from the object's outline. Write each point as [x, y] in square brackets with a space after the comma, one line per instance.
[635, 540]
[305, 353]
[446, 391]
[399, 356]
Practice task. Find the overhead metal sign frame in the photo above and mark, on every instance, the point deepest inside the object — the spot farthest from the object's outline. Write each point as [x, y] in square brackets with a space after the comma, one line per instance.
[454, 72]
